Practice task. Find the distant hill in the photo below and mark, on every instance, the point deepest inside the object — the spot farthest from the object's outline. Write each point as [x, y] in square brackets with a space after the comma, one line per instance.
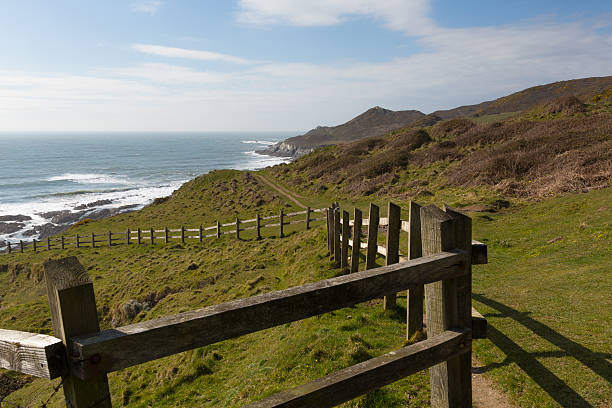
[585, 89]
[378, 121]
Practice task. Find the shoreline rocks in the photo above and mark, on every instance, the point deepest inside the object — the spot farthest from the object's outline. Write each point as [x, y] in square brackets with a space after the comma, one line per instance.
[284, 149]
[15, 218]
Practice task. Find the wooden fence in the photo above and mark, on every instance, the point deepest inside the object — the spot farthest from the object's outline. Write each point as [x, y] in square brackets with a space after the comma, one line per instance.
[83, 355]
[339, 240]
[151, 235]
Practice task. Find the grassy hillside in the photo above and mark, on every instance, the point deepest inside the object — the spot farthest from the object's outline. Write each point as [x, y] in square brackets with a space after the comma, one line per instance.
[554, 149]
[545, 291]
[587, 89]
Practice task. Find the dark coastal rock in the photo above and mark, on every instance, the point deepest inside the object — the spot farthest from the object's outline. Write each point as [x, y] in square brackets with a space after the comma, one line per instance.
[127, 207]
[17, 218]
[50, 214]
[49, 229]
[93, 204]
[67, 217]
[10, 227]
[100, 214]
[29, 233]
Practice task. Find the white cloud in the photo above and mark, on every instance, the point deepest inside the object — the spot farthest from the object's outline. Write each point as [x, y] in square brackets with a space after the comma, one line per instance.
[172, 52]
[455, 67]
[167, 74]
[150, 7]
[409, 16]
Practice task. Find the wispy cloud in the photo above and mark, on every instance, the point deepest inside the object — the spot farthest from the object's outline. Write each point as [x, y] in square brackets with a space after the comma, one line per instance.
[409, 16]
[172, 52]
[150, 7]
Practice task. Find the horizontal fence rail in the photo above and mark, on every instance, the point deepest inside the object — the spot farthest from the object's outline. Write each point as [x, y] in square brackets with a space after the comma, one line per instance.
[151, 235]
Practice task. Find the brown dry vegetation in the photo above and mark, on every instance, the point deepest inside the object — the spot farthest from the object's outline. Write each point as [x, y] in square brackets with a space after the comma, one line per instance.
[528, 156]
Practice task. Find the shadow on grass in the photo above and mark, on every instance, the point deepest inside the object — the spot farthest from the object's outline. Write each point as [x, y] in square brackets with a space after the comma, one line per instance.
[528, 362]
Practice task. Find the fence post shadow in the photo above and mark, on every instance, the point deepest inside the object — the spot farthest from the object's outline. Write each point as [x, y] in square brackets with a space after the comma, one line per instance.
[527, 361]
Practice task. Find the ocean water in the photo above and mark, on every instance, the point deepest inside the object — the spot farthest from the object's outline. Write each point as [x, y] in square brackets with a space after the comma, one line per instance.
[50, 172]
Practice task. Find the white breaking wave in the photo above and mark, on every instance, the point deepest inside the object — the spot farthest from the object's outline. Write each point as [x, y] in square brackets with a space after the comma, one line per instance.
[90, 178]
[260, 142]
[138, 196]
[259, 161]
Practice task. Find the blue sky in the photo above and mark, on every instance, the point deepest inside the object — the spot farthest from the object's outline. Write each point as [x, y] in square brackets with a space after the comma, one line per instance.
[280, 64]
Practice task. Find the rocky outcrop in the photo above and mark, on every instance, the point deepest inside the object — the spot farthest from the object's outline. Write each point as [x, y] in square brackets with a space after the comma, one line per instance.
[15, 218]
[10, 227]
[284, 149]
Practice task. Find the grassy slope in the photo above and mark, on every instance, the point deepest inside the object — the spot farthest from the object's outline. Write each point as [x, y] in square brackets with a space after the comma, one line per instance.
[548, 343]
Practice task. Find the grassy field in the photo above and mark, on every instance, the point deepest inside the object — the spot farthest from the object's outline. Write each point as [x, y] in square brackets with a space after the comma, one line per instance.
[545, 294]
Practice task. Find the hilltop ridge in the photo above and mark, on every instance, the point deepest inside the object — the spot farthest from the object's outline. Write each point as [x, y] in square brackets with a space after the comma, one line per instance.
[378, 121]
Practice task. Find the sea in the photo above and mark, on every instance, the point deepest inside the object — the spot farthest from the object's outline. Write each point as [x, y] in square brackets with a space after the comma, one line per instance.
[50, 179]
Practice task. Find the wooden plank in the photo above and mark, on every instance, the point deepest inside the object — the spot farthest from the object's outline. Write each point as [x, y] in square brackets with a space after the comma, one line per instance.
[237, 228]
[32, 354]
[351, 382]
[372, 236]
[218, 230]
[479, 325]
[73, 312]
[281, 223]
[122, 347]
[479, 253]
[415, 294]
[356, 242]
[393, 235]
[345, 238]
[166, 238]
[307, 218]
[182, 234]
[337, 231]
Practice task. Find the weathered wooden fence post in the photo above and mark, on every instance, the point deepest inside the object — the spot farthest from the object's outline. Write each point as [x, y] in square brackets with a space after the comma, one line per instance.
[201, 233]
[110, 239]
[34, 244]
[237, 228]
[183, 234]
[63, 243]
[21, 245]
[138, 236]
[356, 240]
[166, 235]
[307, 218]
[127, 236]
[152, 236]
[78, 244]
[337, 248]
[444, 231]
[330, 239]
[9, 247]
[393, 235]
[258, 226]
[73, 312]
[414, 295]
[48, 243]
[345, 238]
[93, 240]
[218, 229]
[282, 223]
[372, 236]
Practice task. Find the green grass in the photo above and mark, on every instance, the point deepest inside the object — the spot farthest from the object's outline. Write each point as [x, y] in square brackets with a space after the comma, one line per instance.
[545, 294]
